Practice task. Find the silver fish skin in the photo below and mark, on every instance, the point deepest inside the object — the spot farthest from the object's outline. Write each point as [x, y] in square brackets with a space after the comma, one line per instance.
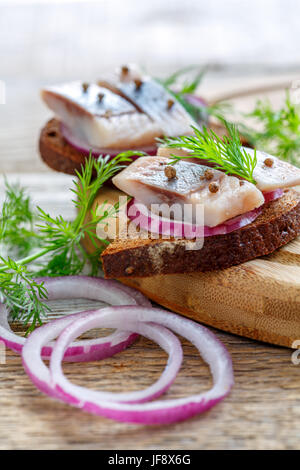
[111, 121]
[145, 180]
[152, 98]
[268, 178]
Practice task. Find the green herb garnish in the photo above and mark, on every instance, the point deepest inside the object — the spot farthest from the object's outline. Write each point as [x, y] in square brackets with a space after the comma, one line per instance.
[280, 134]
[183, 83]
[16, 212]
[226, 153]
[53, 247]
[180, 91]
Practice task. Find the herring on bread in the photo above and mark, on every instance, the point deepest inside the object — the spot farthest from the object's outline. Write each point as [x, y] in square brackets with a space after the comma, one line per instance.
[225, 244]
[127, 111]
[278, 224]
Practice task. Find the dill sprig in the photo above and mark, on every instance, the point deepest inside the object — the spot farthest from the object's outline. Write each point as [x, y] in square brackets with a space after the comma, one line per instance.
[60, 252]
[22, 295]
[189, 85]
[16, 212]
[181, 90]
[280, 133]
[226, 153]
[183, 83]
[63, 237]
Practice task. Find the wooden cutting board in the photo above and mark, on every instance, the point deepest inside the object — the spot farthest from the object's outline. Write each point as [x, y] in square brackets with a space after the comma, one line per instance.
[259, 299]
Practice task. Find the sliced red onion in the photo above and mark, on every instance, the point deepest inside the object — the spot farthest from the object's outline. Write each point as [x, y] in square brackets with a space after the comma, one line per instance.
[40, 375]
[129, 317]
[71, 287]
[85, 148]
[273, 195]
[140, 215]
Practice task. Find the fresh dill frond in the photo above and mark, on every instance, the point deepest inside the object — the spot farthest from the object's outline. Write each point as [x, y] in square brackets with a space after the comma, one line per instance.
[21, 294]
[190, 86]
[17, 235]
[226, 153]
[92, 177]
[280, 133]
[183, 84]
[64, 238]
[182, 90]
[60, 252]
[174, 78]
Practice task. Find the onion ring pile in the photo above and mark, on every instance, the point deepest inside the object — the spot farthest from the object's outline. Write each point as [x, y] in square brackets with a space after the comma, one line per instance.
[131, 314]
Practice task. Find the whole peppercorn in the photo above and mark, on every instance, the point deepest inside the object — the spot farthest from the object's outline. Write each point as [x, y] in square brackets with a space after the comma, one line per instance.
[85, 87]
[213, 187]
[269, 162]
[100, 97]
[170, 172]
[138, 83]
[124, 70]
[208, 174]
[170, 103]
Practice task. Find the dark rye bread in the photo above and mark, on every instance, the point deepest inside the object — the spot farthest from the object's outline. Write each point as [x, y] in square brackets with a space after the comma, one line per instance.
[278, 224]
[56, 152]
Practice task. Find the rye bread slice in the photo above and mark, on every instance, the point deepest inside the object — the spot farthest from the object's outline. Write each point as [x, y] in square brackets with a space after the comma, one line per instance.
[278, 224]
[56, 152]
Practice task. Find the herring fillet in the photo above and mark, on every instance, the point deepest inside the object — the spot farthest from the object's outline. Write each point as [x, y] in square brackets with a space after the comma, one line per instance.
[152, 99]
[146, 181]
[124, 116]
[280, 175]
[112, 122]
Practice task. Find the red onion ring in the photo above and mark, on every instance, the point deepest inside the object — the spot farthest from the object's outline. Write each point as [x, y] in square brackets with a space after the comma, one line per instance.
[273, 195]
[85, 148]
[40, 375]
[129, 317]
[140, 215]
[70, 287]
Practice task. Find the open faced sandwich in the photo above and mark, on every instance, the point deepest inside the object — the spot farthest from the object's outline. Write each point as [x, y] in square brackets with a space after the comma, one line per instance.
[126, 111]
[247, 206]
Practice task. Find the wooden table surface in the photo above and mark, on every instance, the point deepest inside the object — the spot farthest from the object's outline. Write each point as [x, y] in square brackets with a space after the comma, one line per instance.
[263, 409]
